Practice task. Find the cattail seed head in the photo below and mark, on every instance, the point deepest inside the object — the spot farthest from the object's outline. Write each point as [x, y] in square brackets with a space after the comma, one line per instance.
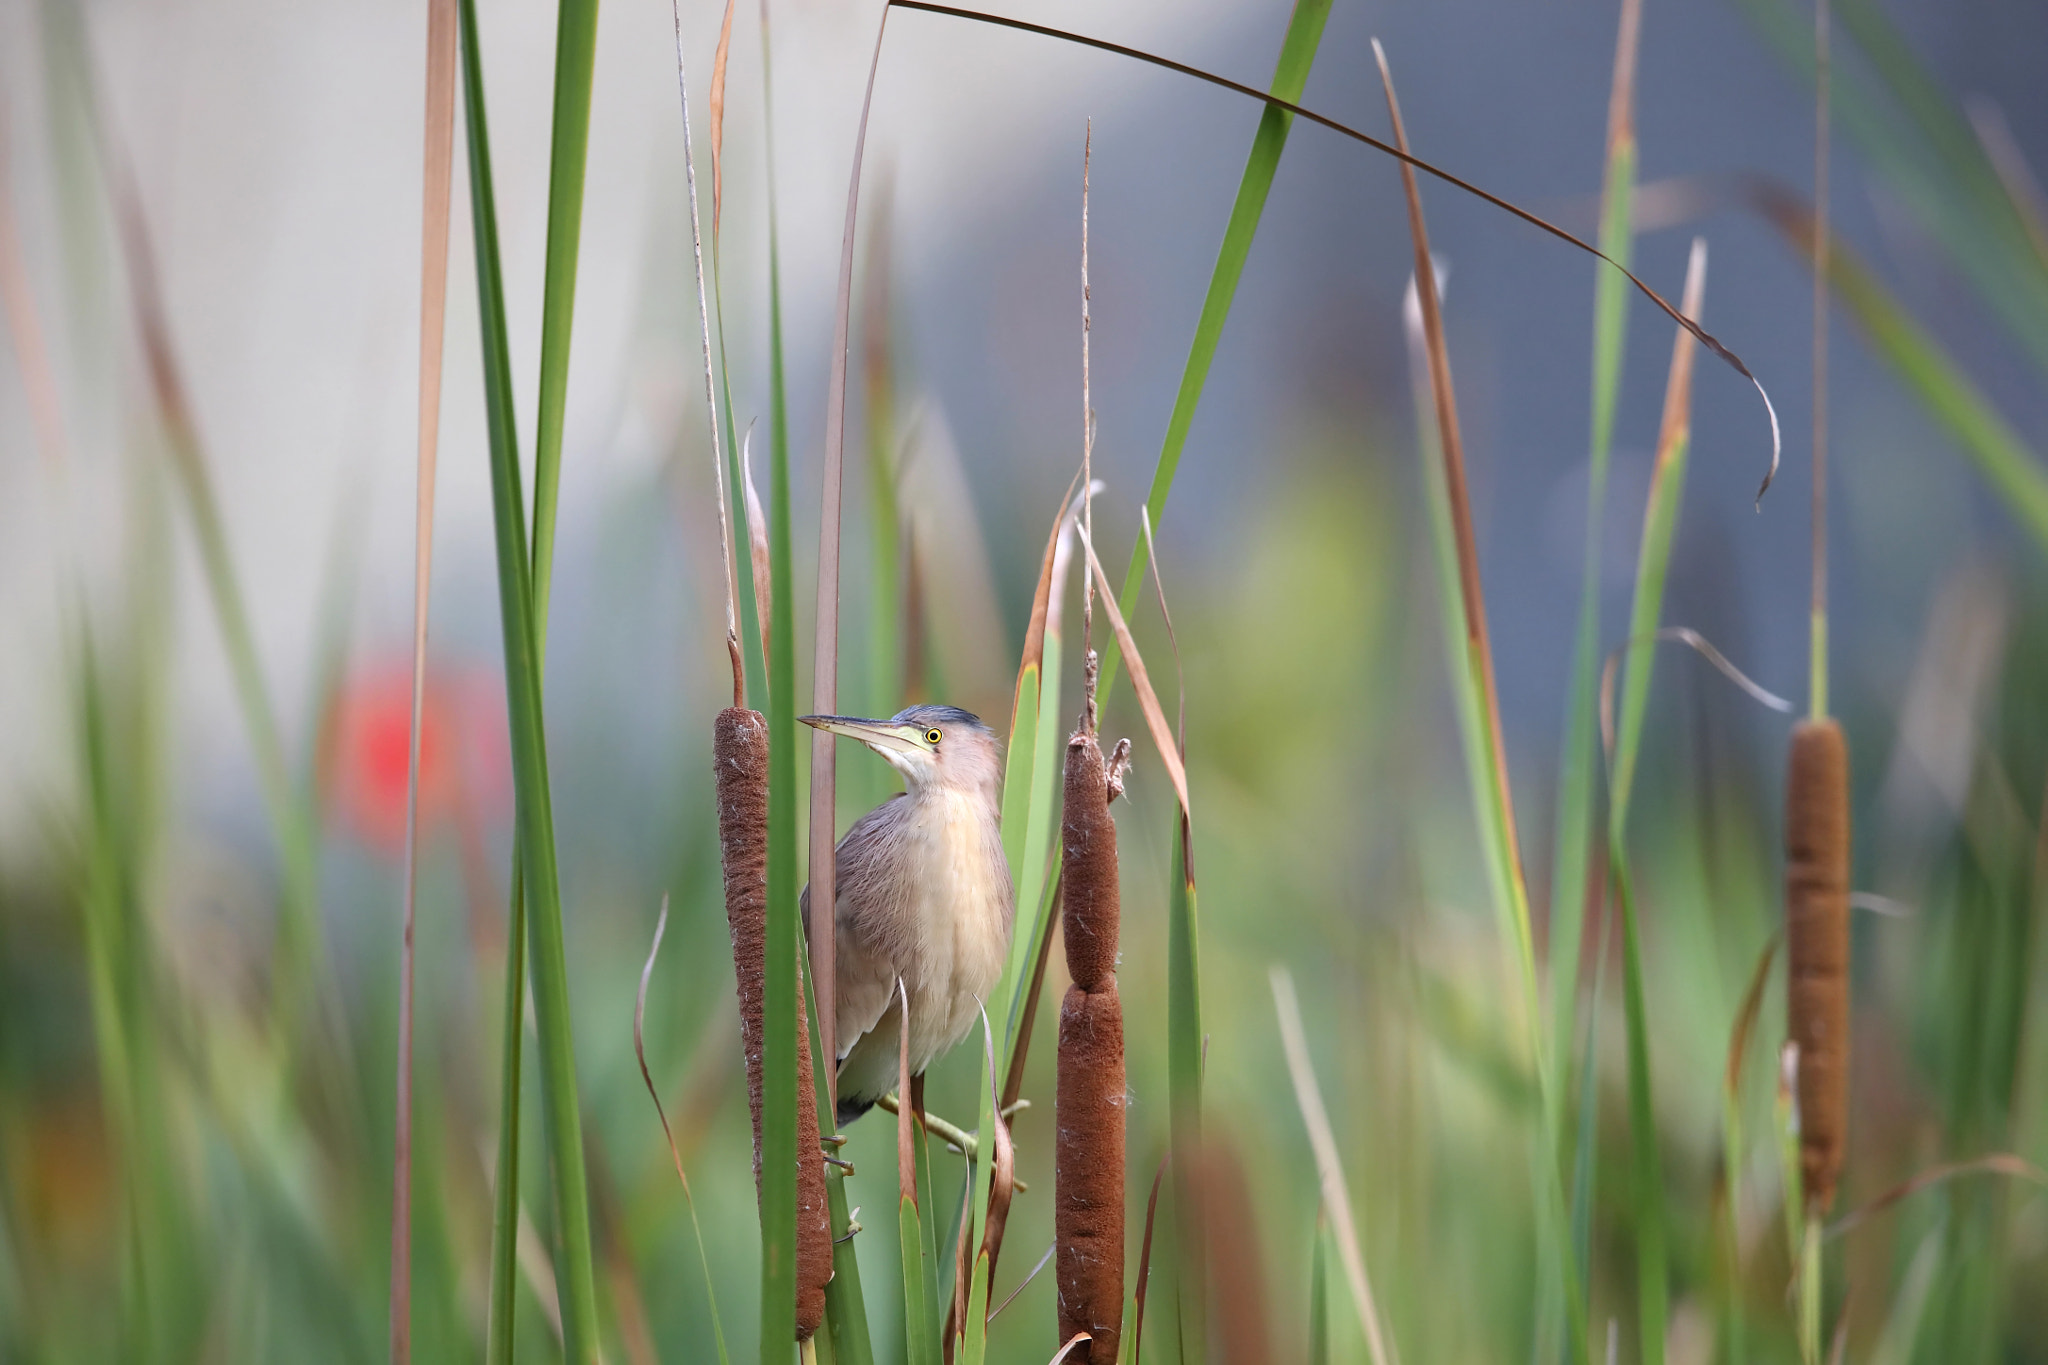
[1088, 848]
[1088, 1210]
[1817, 948]
[1088, 1157]
[739, 749]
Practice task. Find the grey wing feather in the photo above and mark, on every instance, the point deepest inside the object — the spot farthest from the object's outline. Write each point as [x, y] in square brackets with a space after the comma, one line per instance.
[865, 978]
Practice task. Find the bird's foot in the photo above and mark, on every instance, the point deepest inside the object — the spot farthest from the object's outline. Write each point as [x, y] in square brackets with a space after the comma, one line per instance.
[846, 1166]
[852, 1226]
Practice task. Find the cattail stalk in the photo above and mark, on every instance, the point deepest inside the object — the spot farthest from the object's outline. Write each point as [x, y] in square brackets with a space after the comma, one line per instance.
[740, 754]
[1817, 949]
[1088, 1200]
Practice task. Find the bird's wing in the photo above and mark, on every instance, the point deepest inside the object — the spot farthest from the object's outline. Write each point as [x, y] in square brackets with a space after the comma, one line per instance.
[864, 972]
[867, 985]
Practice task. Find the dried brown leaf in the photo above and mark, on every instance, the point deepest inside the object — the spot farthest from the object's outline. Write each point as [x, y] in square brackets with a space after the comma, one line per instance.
[718, 61]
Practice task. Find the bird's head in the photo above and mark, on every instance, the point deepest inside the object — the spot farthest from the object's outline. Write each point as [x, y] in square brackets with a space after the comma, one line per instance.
[933, 747]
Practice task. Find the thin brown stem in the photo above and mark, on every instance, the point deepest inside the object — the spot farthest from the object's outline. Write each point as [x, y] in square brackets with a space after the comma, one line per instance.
[1822, 79]
[434, 212]
[1087, 434]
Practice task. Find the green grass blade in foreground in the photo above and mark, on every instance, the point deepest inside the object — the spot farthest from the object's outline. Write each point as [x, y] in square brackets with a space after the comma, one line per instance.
[920, 1332]
[1586, 1157]
[575, 1281]
[778, 1053]
[751, 634]
[498, 411]
[973, 1343]
[575, 59]
[1472, 684]
[2012, 468]
[1017, 770]
[1184, 1085]
[1647, 1187]
[1030, 777]
[1579, 760]
[1290, 75]
[1660, 521]
[846, 1311]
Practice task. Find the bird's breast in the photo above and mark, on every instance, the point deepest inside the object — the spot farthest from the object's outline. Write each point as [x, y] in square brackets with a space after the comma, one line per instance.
[960, 905]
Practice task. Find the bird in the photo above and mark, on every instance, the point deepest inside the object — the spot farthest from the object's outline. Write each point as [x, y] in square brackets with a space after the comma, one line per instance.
[923, 895]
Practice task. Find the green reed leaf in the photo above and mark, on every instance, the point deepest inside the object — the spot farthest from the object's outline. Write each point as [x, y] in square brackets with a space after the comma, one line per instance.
[1290, 75]
[535, 874]
[575, 63]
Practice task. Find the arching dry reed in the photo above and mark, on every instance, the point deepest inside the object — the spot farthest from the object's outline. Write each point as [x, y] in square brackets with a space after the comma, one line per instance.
[740, 757]
[1817, 948]
[1088, 1201]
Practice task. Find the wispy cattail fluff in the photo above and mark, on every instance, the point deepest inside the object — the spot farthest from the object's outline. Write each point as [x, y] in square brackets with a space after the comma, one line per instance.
[740, 756]
[1817, 944]
[1088, 1199]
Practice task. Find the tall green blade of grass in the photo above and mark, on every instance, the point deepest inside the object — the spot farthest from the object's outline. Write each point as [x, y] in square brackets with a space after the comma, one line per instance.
[1647, 1188]
[2012, 468]
[1184, 1083]
[502, 425]
[1478, 709]
[536, 887]
[1031, 775]
[920, 1324]
[846, 1311]
[1290, 75]
[1578, 763]
[575, 60]
[1660, 521]
[972, 1345]
[778, 1052]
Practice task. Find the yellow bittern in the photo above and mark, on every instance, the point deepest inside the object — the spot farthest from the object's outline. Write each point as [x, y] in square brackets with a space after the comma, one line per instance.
[923, 894]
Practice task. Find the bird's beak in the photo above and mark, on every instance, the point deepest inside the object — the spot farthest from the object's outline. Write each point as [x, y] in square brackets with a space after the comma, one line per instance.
[884, 737]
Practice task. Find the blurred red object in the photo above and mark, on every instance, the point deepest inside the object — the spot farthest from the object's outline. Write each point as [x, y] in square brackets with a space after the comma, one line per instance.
[464, 767]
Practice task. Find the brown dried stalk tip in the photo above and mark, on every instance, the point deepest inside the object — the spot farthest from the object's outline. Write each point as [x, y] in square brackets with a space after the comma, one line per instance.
[1088, 1204]
[739, 747]
[1817, 948]
[1088, 854]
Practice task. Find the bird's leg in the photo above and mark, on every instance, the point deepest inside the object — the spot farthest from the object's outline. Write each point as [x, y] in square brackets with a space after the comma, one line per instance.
[1119, 765]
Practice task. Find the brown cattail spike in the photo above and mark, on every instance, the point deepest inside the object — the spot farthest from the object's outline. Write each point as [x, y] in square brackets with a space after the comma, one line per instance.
[1088, 843]
[1088, 1204]
[739, 748]
[1817, 948]
[1088, 1212]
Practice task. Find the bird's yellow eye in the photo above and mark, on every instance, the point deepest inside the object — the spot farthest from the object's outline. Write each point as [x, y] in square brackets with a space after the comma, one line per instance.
[931, 736]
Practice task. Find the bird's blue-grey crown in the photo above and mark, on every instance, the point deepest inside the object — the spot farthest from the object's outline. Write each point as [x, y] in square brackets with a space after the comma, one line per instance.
[928, 714]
